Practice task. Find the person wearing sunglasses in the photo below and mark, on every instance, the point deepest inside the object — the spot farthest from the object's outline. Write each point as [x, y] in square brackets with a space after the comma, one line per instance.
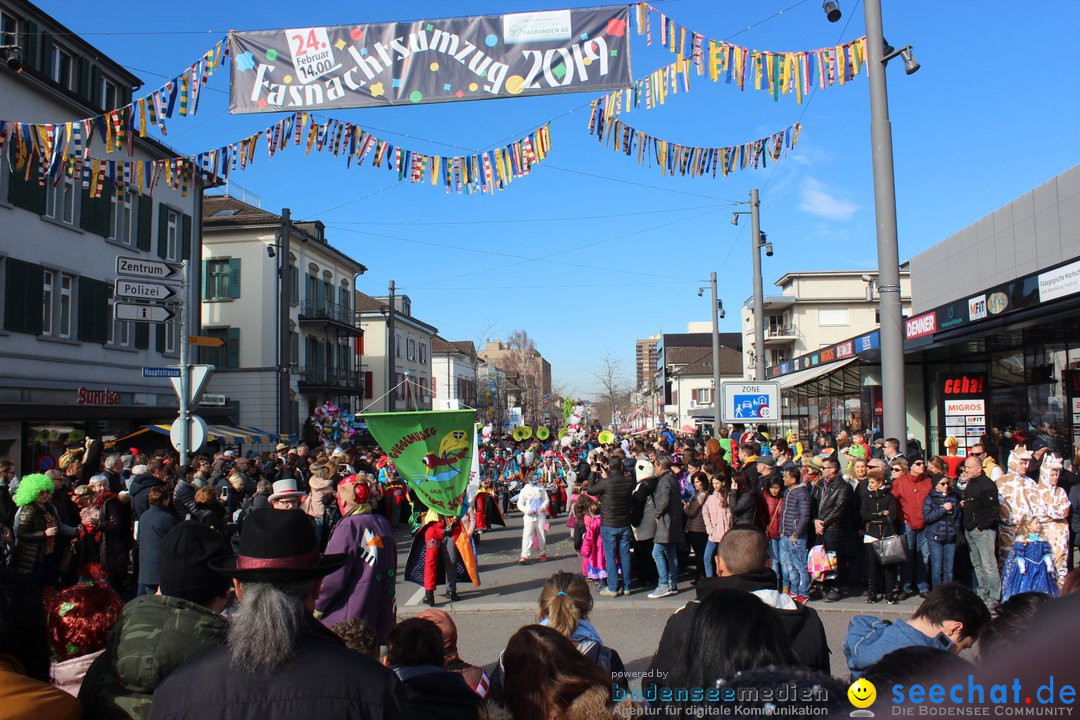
[911, 490]
[941, 513]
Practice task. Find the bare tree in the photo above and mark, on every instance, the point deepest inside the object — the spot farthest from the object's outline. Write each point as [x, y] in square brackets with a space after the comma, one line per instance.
[613, 394]
[525, 360]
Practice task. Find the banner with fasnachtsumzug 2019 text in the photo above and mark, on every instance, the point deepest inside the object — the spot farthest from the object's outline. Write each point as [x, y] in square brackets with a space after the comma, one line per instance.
[432, 451]
[446, 60]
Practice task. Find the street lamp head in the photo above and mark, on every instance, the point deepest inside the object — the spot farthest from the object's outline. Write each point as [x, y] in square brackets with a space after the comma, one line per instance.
[832, 10]
[700, 292]
[911, 65]
[270, 251]
[734, 218]
[768, 249]
[720, 312]
[762, 239]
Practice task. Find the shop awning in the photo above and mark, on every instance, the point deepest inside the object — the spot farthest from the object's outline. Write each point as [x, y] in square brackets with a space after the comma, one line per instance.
[804, 376]
[227, 433]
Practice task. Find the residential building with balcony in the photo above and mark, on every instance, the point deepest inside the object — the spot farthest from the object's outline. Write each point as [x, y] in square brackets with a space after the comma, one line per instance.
[684, 375]
[407, 355]
[67, 368]
[645, 362]
[815, 310]
[454, 368]
[242, 258]
[529, 377]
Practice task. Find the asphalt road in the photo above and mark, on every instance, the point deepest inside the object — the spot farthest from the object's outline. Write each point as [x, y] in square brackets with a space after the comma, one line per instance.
[507, 599]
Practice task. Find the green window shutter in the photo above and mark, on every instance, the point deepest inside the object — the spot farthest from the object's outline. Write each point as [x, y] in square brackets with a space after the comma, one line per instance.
[46, 64]
[234, 278]
[232, 345]
[31, 56]
[96, 213]
[93, 313]
[142, 335]
[84, 78]
[206, 279]
[95, 87]
[22, 296]
[146, 209]
[163, 231]
[27, 194]
[159, 337]
[294, 279]
[185, 237]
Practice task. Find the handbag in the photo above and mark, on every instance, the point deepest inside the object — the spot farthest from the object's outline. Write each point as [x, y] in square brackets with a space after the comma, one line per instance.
[891, 549]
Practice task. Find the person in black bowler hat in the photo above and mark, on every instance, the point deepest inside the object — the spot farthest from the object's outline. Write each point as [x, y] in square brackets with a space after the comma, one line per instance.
[279, 662]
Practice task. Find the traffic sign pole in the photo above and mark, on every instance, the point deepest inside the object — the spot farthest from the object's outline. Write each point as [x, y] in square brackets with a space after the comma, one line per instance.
[185, 369]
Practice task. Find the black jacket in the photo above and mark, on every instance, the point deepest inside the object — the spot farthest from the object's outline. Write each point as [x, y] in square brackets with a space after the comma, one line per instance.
[744, 510]
[980, 504]
[435, 693]
[141, 485]
[835, 497]
[323, 679]
[7, 506]
[614, 494]
[872, 508]
[803, 626]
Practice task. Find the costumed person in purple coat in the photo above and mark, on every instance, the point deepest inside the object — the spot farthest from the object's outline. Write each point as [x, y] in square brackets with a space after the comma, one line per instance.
[364, 587]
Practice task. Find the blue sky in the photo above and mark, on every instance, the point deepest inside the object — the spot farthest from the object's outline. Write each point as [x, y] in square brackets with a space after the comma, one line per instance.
[592, 250]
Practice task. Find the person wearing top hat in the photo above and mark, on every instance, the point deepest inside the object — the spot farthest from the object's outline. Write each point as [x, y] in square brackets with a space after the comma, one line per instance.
[285, 495]
[279, 662]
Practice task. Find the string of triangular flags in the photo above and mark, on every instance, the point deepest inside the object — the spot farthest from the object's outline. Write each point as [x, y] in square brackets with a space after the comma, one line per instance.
[118, 127]
[779, 73]
[688, 160]
[34, 155]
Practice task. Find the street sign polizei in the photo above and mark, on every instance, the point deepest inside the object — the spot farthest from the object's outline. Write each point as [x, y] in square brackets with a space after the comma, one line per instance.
[750, 402]
[142, 313]
[144, 291]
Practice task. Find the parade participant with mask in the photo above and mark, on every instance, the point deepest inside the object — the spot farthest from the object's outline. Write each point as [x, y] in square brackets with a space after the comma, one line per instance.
[533, 502]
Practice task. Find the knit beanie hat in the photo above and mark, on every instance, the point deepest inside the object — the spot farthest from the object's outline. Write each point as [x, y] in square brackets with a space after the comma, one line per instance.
[186, 552]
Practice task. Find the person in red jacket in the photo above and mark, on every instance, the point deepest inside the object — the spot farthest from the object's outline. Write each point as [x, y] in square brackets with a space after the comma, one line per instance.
[911, 489]
[773, 505]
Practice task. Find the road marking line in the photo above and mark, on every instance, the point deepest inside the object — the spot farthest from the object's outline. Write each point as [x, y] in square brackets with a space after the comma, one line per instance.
[415, 599]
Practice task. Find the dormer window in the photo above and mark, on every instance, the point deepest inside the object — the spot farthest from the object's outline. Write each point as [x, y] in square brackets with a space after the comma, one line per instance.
[63, 68]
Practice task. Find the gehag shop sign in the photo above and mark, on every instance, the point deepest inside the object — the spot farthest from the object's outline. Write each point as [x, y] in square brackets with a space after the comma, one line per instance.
[448, 60]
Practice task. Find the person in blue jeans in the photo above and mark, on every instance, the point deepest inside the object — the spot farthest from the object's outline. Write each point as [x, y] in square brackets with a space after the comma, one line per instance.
[794, 523]
[941, 513]
[613, 488]
[667, 502]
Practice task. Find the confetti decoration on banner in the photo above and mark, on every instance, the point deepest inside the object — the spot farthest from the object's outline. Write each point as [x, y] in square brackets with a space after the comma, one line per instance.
[688, 160]
[778, 73]
[35, 151]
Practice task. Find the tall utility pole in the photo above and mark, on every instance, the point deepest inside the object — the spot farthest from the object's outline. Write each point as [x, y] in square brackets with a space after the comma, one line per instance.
[715, 356]
[391, 353]
[184, 409]
[894, 412]
[759, 300]
[284, 345]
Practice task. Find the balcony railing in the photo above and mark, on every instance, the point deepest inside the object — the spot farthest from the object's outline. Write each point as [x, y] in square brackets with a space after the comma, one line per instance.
[321, 377]
[328, 312]
[779, 331]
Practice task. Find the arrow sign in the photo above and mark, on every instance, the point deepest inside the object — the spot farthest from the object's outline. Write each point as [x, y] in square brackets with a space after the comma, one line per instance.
[200, 376]
[206, 341]
[153, 269]
[142, 313]
[143, 291]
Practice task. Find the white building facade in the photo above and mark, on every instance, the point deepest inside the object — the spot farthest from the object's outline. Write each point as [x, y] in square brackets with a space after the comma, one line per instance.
[67, 369]
[397, 371]
[243, 255]
[453, 374]
[815, 310]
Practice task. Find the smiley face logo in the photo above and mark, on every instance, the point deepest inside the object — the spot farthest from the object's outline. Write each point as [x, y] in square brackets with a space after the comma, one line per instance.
[862, 693]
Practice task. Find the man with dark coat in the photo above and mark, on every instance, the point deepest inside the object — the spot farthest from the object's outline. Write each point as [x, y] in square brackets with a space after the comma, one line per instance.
[154, 525]
[613, 488]
[832, 523]
[667, 504]
[742, 558]
[279, 662]
[140, 484]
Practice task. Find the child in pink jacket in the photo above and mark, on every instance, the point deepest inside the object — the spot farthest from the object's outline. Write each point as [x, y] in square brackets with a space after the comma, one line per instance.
[717, 514]
[592, 548]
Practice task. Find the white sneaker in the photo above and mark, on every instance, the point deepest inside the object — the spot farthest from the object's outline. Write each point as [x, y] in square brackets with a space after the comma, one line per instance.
[658, 593]
[608, 593]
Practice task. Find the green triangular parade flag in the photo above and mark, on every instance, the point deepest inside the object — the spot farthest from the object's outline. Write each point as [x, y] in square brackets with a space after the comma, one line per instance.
[432, 451]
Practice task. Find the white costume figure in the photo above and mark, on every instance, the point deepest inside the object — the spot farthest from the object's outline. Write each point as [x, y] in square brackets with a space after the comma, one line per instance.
[1018, 495]
[1052, 512]
[533, 504]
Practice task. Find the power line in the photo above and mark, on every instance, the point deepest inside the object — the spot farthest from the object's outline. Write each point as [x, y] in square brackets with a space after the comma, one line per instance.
[522, 221]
